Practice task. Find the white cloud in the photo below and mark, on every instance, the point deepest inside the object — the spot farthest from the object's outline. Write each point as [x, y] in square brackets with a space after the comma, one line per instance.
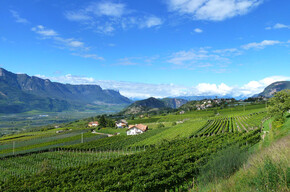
[197, 30]
[17, 18]
[106, 28]
[107, 17]
[92, 56]
[228, 52]
[107, 8]
[77, 16]
[74, 43]
[78, 47]
[43, 31]
[216, 10]
[192, 59]
[151, 21]
[254, 87]
[130, 61]
[279, 26]
[213, 89]
[261, 45]
[70, 43]
[145, 90]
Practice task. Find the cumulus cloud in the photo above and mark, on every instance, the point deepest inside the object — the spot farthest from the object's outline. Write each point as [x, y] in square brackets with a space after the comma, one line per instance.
[213, 89]
[278, 26]
[216, 10]
[197, 30]
[107, 8]
[254, 87]
[151, 21]
[17, 17]
[261, 45]
[41, 30]
[145, 90]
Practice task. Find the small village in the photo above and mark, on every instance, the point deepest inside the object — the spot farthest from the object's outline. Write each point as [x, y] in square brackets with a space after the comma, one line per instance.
[123, 124]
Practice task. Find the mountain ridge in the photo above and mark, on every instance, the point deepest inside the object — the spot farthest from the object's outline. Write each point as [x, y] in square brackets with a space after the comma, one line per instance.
[15, 89]
[273, 88]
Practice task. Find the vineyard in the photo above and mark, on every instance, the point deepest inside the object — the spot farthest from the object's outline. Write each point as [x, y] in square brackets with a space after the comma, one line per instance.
[232, 124]
[164, 157]
[155, 169]
[46, 143]
[23, 166]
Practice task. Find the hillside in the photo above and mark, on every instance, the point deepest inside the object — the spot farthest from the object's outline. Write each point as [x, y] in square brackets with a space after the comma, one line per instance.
[143, 106]
[174, 103]
[270, 90]
[20, 92]
[152, 104]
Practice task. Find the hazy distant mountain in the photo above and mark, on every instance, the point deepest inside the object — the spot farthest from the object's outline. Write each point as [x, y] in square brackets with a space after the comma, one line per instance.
[270, 90]
[174, 103]
[20, 92]
[198, 98]
[153, 104]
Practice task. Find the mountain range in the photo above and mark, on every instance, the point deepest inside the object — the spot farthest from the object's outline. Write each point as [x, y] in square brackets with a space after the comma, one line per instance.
[20, 93]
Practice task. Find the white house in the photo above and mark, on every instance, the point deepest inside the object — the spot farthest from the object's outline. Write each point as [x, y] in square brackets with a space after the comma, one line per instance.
[93, 124]
[137, 129]
[121, 123]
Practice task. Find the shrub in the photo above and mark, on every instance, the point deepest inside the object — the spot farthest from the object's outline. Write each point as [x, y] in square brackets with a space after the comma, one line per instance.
[272, 176]
[223, 164]
[160, 125]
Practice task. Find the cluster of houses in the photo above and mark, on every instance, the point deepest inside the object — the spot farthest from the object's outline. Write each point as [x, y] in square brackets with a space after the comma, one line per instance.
[132, 129]
[211, 102]
[204, 105]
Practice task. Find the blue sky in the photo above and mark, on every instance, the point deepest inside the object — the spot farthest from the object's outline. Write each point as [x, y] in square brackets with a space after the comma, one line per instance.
[150, 47]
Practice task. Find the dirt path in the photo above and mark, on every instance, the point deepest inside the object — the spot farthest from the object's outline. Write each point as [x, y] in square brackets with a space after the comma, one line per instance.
[270, 125]
[238, 126]
[238, 119]
[244, 121]
[109, 135]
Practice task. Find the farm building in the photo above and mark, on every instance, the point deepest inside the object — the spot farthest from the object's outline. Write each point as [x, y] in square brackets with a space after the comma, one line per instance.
[121, 123]
[137, 129]
[93, 124]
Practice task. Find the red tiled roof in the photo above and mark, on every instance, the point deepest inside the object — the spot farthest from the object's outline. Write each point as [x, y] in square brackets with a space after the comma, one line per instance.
[139, 126]
[93, 122]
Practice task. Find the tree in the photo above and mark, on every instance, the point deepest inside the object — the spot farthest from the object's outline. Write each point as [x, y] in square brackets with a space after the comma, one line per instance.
[279, 104]
[110, 123]
[102, 121]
